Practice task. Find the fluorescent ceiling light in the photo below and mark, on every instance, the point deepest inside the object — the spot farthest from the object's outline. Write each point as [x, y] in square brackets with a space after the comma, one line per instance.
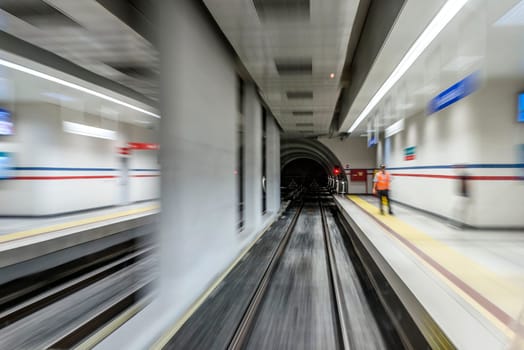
[394, 128]
[428, 89]
[445, 15]
[58, 96]
[48, 77]
[514, 17]
[406, 106]
[461, 63]
[86, 130]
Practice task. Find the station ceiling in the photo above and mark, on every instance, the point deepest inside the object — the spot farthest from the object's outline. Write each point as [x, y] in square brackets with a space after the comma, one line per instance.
[87, 34]
[297, 51]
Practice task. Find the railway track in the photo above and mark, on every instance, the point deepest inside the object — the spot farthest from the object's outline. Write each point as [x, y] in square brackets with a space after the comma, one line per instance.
[60, 307]
[244, 330]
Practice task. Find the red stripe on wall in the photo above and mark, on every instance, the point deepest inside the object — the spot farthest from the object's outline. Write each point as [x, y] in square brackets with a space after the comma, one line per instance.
[91, 177]
[64, 177]
[456, 177]
[495, 178]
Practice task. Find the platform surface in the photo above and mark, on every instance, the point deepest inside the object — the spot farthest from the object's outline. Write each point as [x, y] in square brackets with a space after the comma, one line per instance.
[471, 282]
[12, 229]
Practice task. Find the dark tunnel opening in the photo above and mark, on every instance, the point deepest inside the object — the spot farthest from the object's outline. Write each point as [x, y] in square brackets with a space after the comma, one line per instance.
[305, 173]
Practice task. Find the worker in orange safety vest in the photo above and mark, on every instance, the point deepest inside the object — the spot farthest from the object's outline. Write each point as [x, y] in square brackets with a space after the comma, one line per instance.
[381, 184]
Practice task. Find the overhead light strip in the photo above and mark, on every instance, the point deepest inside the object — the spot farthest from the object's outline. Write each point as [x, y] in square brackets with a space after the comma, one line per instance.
[53, 79]
[86, 130]
[445, 15]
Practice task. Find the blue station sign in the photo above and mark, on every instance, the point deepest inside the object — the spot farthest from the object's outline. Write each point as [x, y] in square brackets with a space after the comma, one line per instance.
[454, 93]
[372, 141]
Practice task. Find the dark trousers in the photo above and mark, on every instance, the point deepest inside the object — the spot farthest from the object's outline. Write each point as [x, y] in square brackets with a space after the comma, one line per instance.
[384, 193]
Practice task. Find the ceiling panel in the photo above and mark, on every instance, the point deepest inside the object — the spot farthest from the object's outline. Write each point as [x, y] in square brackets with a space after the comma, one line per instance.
[87, 34]
[290, 48]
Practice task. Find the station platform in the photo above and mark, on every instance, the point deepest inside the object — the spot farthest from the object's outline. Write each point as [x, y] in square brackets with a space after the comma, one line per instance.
[24, 227]
[32, 240]
[470, 282]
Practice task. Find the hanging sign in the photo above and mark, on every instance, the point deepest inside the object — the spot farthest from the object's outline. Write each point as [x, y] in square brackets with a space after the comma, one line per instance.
[454, 93]
[143, 146]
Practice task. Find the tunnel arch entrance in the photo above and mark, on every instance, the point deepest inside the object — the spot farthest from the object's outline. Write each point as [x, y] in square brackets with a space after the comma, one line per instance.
[313, 158]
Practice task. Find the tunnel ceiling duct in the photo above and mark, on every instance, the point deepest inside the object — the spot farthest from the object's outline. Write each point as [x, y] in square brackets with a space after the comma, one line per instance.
[278, 9]
[38, 13]
[294, 66]
[299, 95]
[302, 113]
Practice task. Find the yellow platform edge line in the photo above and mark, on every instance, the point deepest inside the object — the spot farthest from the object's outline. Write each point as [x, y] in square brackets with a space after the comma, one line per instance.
[109, 328]
[506, 330]
[164, 339]
[58, 227]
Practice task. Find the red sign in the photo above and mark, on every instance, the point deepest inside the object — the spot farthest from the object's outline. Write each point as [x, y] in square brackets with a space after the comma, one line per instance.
[410, 157]
[143, 146]
[358, 175]
[124, 151]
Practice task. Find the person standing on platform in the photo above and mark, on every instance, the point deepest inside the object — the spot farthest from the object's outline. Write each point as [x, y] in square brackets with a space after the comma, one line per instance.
[463, 197]
[381, 184]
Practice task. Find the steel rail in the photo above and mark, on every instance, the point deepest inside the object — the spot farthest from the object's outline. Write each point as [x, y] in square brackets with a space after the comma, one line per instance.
[345, 343]
[45, 299]
[242, 332]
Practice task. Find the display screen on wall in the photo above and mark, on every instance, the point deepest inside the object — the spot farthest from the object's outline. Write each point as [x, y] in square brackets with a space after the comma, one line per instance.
[520, 116]
[6, 165]
[6, 124]
[409, 153]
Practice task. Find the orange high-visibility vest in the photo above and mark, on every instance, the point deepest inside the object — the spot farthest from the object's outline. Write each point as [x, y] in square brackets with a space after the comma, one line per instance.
[383, 181]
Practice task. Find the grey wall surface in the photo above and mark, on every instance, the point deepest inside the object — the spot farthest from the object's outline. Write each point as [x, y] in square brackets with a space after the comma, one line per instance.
[273, 165]
[252, 158]
[198, 225]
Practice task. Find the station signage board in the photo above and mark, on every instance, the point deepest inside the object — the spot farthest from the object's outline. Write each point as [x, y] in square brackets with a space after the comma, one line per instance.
[409, 153]
[143, 146]
[358, 175]
[454, 93]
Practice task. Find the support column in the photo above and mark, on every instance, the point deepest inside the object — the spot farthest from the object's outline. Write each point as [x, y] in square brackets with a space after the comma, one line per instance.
[198, 151]
[252, 159]
[197, 237]
[273, 165]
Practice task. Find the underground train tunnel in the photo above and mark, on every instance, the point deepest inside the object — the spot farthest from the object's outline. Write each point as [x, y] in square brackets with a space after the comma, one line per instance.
[304, 172]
